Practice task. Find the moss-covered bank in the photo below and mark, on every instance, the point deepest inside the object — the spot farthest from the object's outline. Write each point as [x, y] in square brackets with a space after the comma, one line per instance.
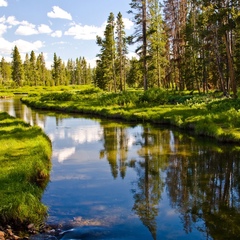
[207, 114]
[25, 154]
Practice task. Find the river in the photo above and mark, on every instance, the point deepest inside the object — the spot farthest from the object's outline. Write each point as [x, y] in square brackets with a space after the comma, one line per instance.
[115, 180]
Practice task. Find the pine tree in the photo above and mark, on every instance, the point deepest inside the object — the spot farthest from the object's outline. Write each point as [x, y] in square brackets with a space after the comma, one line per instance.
[26, 67]
[157, 45]
[140, 35]
[17, 67]
[42, 70]
[121, 42]
[58, 71]
[33, 77]
[5, 72]
[134, 74]
[107, 57]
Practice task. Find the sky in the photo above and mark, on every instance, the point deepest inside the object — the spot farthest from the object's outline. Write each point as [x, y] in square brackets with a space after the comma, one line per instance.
[65, 27]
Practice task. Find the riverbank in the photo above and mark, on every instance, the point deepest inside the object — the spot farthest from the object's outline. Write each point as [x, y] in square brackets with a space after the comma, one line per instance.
[25, 170]
[210, 115]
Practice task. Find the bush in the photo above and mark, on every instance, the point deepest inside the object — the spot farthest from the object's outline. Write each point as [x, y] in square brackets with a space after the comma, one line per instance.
[154, 96]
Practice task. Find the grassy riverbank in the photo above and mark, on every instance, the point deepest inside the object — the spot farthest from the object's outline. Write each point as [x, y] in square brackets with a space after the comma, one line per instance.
[205, 114]
[25, 153]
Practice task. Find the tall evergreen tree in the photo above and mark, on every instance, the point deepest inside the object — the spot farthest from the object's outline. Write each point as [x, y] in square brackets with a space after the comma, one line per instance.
[157, 45]
[121, 46]
[17, 67]
[42, 70]
[5, 72]
[26, 67]
[140, 35]
[107, 57]
[33, 76]
[58, 71]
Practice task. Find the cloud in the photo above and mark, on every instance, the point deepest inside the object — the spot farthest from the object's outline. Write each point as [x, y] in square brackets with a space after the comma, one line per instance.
[85, 32]
[6, 47]
[2, 19]
[59, 13]
[12, 21]
[43, 28]
[25, 46]
[127, 23]
[26, 30]
[64, 154]
[3, 3]
[3, 29]
[57, 33]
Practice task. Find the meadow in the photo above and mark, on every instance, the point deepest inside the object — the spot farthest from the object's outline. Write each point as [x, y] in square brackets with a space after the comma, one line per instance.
[209, 114]
[25, 169]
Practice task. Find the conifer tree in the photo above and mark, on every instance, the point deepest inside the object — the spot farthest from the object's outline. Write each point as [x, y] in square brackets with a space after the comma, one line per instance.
[42, 70]
[33, 78]
[140, 35]
[121, 46]
[157, 45]
[58, 71]
[107, 57]
[17, 67]
[26, 67]
[5, 72]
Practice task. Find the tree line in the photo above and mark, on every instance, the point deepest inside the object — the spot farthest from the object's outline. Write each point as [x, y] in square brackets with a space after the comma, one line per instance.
[181, 44]
[33, 71]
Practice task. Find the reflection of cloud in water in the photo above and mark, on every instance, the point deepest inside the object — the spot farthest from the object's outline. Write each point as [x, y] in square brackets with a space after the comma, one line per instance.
[131, 140]
[63, 154]
[77, 177]
[86, 134]
[171, 212]
[61, 133]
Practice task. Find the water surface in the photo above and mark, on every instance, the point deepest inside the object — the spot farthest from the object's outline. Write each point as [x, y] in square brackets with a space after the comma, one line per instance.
[113, 180]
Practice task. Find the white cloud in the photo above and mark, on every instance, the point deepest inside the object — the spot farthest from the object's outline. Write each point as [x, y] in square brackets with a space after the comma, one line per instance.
[26, 30]
[57, 34]
[3, 29]
[64, 154]
[59, 13]
[5, 47]
[43, 28]
[85, 32]
[12, 21]
[3, 3]
[127, 23]
[2, 19]
[26, 47]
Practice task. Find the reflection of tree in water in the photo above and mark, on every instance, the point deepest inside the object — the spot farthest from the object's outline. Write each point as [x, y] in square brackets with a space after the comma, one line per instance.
[203, 185]
[202, 180]
[115, 148]
[149, 186]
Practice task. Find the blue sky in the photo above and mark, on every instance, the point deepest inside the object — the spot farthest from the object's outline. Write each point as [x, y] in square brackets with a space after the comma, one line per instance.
[65, 27]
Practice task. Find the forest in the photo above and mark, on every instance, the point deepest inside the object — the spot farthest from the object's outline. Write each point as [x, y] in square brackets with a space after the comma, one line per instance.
[181, 45]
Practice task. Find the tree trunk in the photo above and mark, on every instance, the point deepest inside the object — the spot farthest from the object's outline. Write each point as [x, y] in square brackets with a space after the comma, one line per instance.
[144, 32]
[230, 65]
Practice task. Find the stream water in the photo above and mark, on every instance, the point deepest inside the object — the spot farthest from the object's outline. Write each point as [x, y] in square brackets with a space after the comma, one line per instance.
[114, 180]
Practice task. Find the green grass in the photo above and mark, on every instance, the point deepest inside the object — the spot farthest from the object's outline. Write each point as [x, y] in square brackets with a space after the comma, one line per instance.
[206, 114]
[25, 168]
